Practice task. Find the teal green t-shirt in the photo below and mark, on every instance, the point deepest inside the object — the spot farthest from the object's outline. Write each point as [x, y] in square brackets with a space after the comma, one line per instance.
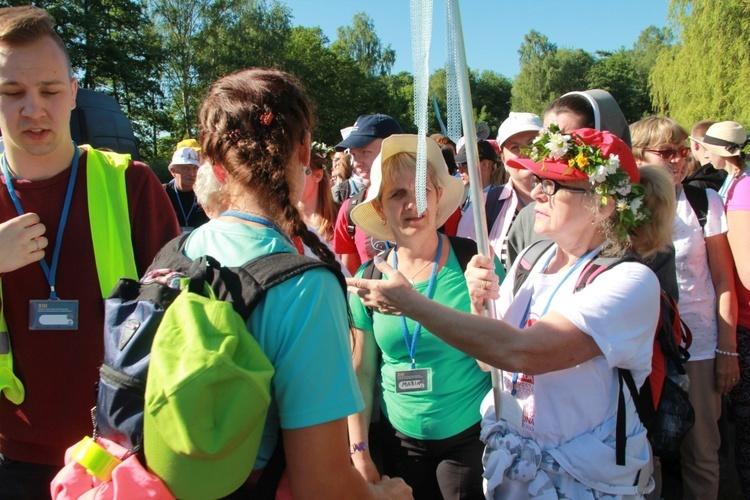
[301, 325]
[458, 385]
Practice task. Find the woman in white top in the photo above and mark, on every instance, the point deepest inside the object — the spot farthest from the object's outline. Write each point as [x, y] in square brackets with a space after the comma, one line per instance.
[707, 303]
[560, 348]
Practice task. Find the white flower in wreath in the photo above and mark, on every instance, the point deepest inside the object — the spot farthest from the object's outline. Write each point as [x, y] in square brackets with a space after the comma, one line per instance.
[635, 205]
[624, 190]
[558, 145]
[613, 164]
[622, 205]
[600, 175]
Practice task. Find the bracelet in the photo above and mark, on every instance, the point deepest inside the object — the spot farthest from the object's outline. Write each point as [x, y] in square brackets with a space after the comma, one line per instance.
[361, 446]
[727, 353]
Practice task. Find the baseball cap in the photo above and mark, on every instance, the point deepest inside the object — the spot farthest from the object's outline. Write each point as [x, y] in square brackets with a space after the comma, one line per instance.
[367, 128]
[185, 156]
[206, 399]
[557, 168]
[517, 123]
[486, 152]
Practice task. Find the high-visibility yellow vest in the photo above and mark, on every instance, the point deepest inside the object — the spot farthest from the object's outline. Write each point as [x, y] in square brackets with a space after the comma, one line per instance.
[109, 220]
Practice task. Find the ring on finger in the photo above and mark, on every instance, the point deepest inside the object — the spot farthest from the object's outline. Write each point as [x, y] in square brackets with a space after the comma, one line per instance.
[484, 285]
[37, 244]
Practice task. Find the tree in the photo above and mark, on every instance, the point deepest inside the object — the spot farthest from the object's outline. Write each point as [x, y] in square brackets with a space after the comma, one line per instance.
[531, 89]
[547, 73]
[618, 74]
[178, 24]
[360, 43]
[705, 75]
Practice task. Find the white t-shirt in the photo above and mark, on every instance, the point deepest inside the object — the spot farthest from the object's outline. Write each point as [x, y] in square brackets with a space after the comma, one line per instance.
[697, 302]
[619, 310]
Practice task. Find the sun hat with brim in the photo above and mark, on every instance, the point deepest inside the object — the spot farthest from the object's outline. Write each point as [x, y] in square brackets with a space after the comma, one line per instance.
[724, 139]
[369, 220]
[207, 393]
[560, 169]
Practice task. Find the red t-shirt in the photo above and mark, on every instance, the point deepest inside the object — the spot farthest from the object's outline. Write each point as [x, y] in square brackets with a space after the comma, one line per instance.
[59, 368]
[343, 243]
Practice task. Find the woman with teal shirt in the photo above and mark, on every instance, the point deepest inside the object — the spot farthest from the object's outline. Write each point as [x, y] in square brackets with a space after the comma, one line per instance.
[430, 393]
[255, 134]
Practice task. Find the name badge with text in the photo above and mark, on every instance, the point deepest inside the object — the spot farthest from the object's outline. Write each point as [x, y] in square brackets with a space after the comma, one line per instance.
[53, 315]
[414, 380]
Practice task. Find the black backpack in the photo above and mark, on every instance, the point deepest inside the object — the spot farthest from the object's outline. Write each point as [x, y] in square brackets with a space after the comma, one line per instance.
[662, 405]
[134, 310]
[354, 200]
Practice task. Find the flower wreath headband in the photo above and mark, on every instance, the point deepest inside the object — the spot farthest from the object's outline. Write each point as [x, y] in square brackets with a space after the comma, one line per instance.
[606, 177]
[321, 149]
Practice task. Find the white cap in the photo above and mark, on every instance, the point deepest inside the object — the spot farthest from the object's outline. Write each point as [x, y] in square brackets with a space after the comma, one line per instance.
[517, 123]
[185, 156]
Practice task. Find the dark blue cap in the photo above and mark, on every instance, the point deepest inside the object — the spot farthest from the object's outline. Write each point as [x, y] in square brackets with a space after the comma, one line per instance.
[367, 128]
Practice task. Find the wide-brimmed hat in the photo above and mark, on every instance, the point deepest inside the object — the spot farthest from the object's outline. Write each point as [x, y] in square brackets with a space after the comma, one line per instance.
[517, 123]
[559, 167]
[366, 129]
[369, 220]
[724, 139]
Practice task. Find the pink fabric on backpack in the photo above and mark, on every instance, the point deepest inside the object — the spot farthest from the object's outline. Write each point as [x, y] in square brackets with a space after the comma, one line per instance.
[129, 480]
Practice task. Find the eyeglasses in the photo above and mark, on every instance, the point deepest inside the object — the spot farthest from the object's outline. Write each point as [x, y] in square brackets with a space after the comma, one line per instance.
[550, 187]
[668, 154]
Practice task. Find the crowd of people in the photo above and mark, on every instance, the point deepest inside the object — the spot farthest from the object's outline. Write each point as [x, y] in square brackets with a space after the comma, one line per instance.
[388, 393]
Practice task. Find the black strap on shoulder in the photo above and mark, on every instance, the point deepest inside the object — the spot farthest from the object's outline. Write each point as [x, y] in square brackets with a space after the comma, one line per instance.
[528, 258]
[354, 200]
[597, 266]
[493, 205]
[698, 200]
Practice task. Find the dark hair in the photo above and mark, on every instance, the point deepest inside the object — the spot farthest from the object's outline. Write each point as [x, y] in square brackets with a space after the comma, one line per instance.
[450, 160]
[575, 104]
[26, 24]
[252, 122]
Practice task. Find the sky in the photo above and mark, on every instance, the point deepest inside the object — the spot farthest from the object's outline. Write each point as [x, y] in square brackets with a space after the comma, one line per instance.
[493, 29]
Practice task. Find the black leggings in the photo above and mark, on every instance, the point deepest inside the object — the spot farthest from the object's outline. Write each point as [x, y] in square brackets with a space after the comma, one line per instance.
[740, 395]
[444, 468]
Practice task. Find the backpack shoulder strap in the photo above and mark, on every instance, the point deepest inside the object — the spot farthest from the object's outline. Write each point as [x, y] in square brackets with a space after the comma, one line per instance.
[493, 205]
[698, 200]
[354, 200]
[597, 266]
[464, 248]
[528, 258]
[264, 272]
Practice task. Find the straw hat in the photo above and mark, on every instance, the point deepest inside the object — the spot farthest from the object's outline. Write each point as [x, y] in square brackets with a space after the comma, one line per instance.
[369, 220]
[724, 139]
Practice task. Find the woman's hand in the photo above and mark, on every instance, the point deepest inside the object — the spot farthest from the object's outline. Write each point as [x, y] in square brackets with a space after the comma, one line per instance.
[366, 467]
[391, 296]
[727, 372]
[482, 282]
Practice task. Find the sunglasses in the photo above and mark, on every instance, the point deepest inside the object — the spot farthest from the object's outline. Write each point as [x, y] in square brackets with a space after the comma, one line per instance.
[668, 154]
[551, 187]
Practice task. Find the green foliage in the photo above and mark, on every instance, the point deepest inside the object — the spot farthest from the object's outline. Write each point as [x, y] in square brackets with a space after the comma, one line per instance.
[618, 74]
[546, 73]
[360, 43]
[706, 75]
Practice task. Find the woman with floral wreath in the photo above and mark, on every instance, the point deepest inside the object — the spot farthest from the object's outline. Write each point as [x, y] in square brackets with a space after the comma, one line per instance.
[560, 348]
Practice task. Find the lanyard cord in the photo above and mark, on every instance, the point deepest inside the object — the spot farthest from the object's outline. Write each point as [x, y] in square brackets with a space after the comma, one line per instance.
[258, 220]
[179, 201]
[50, 272]
[411, 345]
